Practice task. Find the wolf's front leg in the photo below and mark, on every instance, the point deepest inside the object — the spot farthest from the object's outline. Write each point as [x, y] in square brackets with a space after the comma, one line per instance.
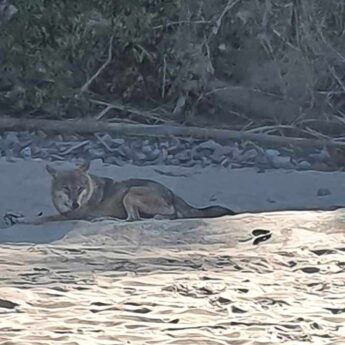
[12, 219]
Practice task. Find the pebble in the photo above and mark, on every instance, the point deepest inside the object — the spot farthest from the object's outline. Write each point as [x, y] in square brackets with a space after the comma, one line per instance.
[96, 153]
[282, 162]
[154, 154]
[270, 153]
[118, 141]
[146, 149]
[304, 165]
[209, 145]
[249, 155]
[183, 156]
[323, 192]
[26, 152]
[171, 151]
[11, 138]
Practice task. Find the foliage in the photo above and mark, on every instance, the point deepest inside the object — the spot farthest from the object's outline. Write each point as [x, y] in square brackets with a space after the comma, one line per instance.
[275, 61]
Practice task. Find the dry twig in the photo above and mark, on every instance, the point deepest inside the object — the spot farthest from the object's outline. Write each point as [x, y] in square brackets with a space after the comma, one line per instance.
[86, 86]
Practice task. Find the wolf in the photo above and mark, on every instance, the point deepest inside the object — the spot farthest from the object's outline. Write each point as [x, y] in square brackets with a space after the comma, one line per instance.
[79, 195]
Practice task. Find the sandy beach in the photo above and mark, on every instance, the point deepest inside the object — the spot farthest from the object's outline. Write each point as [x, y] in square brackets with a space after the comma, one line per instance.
[177, 282]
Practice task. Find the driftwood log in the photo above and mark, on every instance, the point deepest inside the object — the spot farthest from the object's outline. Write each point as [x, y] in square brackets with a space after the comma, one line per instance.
[123, 129]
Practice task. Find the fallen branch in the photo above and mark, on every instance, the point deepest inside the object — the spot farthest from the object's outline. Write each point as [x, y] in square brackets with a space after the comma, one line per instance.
[121, 107]
[125, 129]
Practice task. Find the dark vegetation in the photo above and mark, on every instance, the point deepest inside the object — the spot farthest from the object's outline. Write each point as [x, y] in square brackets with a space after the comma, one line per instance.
[272, 66]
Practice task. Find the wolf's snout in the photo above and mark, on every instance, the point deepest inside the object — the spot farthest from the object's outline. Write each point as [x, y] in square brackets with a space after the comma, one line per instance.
[75, 205]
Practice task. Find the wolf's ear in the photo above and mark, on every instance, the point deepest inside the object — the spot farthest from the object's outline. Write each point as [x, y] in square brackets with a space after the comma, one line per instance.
[52, 171]
[84, 166]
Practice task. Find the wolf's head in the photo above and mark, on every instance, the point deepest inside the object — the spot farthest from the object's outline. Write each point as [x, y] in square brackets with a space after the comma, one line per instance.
[70, 188]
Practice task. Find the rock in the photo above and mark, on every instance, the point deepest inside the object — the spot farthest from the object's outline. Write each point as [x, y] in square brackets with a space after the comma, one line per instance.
[323, 192]
[174, 161]
[146, 149]
[114, 161]
[118, 141]
[320, 156]
[270, 154]
[126, 151]
[175, 149]
[25, 136]
[304, 165]
[41, 134]
[26, 152]
[217, 157]
[136, 144]
[183, 156]
[107, 139]
[205, 162]
[139, 158]
[164, 144]
[97, 162]
[222, 152]
[229, 150]
[282, 162]
[95, 153]
[11, 139]
[249, 155]
[188, 164]
[9, 155]
[319, 166]
[153, 155]
[209, 145]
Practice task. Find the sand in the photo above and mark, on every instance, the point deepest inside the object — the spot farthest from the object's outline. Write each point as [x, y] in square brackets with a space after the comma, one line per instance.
[177, 282]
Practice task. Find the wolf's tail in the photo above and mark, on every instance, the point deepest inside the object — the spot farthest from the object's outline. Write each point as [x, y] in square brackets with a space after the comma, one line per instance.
[185, 210]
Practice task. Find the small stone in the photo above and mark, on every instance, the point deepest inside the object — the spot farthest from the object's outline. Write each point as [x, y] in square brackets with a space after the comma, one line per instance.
[114, 161]
[146, 149]
[174, 161]
[304, 165]
[108, 139]
[249, 155]
[140, 156]
[42, 135]
[126, 151]
[217, 157]
[183, 156]
[11, 139]
[282, 162]
[175, 149]
[118, 141]
[9, 155]
[209, 145]
[323, 192]
[153, 155]
[270, 153]
[96, 153]
[26, 152]
[164, 144]
[97, 162]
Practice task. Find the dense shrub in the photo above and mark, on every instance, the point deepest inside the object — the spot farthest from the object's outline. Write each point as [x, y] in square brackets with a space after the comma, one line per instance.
[270, 61]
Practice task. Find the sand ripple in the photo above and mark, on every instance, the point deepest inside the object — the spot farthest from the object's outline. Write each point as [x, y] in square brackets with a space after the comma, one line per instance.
[180, 282]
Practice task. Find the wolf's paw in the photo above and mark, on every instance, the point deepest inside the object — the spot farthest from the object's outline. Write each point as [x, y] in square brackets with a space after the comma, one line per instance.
[10, 219]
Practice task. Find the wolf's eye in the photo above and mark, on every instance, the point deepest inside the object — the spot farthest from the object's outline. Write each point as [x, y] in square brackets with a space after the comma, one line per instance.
[66, 189]
[80, 189]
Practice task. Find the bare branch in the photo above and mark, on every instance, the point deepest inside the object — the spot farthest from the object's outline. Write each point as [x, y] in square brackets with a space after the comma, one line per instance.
[86, 86]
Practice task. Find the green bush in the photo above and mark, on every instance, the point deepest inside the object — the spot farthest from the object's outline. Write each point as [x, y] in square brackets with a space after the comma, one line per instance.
[268, 62]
